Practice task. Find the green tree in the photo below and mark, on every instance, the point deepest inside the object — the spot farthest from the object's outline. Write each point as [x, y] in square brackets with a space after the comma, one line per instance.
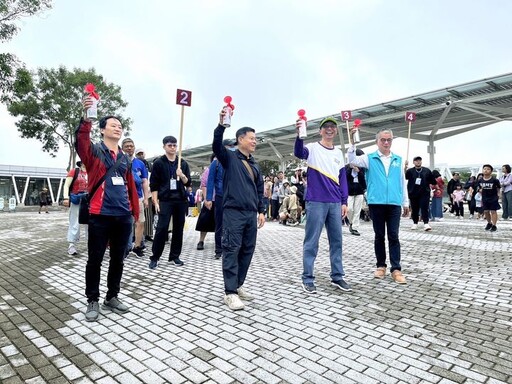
[11, 11]
[48, 105]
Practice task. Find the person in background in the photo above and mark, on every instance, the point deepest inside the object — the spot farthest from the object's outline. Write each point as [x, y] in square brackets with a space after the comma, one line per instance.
[490, 197]
[356, 189]
[75, 187]
[44, 196]
[419, 179]
[506, 194]
[168, 182]
[451, 187]
[458, 201]
[215, 194]
[436, 208]
[206, 219]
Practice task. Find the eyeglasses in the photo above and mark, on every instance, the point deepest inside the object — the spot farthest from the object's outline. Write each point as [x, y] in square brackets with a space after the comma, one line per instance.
[327, 126]
[386, 140]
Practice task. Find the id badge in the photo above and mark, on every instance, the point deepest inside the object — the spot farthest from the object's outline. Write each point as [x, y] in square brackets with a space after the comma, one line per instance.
[173, 184]
[117, 180]
[418, 181]
[356, 179]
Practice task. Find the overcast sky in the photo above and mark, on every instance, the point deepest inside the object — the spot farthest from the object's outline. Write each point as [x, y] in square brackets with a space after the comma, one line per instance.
[273, 57]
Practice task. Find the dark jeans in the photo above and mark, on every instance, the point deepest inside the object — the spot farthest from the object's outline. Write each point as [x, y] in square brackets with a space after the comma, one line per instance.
[218, 224]
[274, 208]
[506, 202]
[266, 203]
[103, 230]
[238, 243]
[178, 210]
[386, 217]
[417, 203]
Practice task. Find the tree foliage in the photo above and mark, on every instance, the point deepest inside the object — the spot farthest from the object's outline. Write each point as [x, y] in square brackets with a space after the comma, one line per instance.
[11, 11]
[48, 104]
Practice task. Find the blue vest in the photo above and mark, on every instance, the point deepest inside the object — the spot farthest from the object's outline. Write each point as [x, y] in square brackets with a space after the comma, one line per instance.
[382, 188]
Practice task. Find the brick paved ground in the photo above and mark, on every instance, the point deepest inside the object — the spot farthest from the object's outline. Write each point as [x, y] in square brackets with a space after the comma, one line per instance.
[452, 323]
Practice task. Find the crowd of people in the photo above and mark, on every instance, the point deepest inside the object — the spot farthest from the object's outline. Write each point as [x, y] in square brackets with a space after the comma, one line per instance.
[114, 182]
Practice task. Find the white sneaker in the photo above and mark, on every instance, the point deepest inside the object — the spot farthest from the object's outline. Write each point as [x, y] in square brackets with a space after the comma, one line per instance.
[233, 302]
[244, 295]
[427, 227]
[414, 226]
[470, 216]
[72, 249]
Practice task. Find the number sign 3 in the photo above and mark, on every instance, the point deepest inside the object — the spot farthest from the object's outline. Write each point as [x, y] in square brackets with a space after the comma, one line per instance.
[184, 97]
[346, 115]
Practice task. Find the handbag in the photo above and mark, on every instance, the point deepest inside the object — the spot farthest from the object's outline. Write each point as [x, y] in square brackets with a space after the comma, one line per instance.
[83, 212]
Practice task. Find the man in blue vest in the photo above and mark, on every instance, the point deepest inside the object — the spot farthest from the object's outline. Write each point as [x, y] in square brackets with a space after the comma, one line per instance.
[387, 196]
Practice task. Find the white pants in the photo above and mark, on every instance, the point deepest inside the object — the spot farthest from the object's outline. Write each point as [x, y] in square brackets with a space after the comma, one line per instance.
[355, 203]
[74, 227]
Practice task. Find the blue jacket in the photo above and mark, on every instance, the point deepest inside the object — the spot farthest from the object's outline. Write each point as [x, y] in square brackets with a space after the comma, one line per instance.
[382, 188]
[241, 192]
[214, 183]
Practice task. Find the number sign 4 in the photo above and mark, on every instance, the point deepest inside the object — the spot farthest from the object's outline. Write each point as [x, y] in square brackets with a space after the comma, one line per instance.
[410, 117]
[184, 97]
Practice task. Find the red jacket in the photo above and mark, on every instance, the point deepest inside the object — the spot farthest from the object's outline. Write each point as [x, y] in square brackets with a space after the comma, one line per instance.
[109, 199]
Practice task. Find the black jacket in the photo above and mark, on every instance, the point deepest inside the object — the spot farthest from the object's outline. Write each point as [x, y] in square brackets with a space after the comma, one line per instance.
[160, 179]
[358, 188]
[427, 179]
[241, 192]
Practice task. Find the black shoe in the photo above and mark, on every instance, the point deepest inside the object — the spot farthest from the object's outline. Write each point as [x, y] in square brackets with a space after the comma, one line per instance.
[177, 262]
[488, 226]
[200, 246]
[342, 284]
[355, 232]
[153, 264]
[309, 288]
[493, 228]
[139, 251]
[148, 238]
[218, 255]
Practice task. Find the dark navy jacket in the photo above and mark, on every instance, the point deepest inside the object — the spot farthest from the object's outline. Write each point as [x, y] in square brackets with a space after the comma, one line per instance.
[241, 192]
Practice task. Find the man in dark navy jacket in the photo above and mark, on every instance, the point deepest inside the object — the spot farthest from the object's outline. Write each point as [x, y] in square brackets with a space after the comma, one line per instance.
[243, 211]
[110, 212]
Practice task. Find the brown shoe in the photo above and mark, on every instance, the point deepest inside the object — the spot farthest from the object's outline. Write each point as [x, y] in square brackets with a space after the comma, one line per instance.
[398, 277]
[380, 273]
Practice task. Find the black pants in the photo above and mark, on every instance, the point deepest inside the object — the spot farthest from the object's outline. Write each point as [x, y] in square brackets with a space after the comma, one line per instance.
[218, 224]
[274, 208]
[238, 243]
[178, 210]
[459, 208]
[417, 203]
[386, 217]
[103, 230]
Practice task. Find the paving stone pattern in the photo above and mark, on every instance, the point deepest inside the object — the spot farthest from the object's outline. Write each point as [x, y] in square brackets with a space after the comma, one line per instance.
[452, 322]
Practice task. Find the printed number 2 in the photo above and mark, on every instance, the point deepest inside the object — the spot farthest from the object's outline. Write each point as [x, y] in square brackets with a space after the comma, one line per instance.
[184, 98]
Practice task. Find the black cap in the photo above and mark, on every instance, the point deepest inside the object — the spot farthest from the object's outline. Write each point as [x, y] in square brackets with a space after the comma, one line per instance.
[417, 158]
[359, 152]
[228, 142]
[169, 139]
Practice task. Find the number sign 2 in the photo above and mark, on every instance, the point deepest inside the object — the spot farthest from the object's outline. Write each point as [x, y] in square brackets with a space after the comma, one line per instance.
[410, 117]
[184, 97]
[346, 115]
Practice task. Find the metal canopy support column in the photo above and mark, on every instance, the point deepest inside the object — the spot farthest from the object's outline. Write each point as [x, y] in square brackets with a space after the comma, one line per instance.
[282, 164]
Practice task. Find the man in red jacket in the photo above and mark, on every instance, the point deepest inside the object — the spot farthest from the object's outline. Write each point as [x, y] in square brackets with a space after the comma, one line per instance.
[110, 212]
